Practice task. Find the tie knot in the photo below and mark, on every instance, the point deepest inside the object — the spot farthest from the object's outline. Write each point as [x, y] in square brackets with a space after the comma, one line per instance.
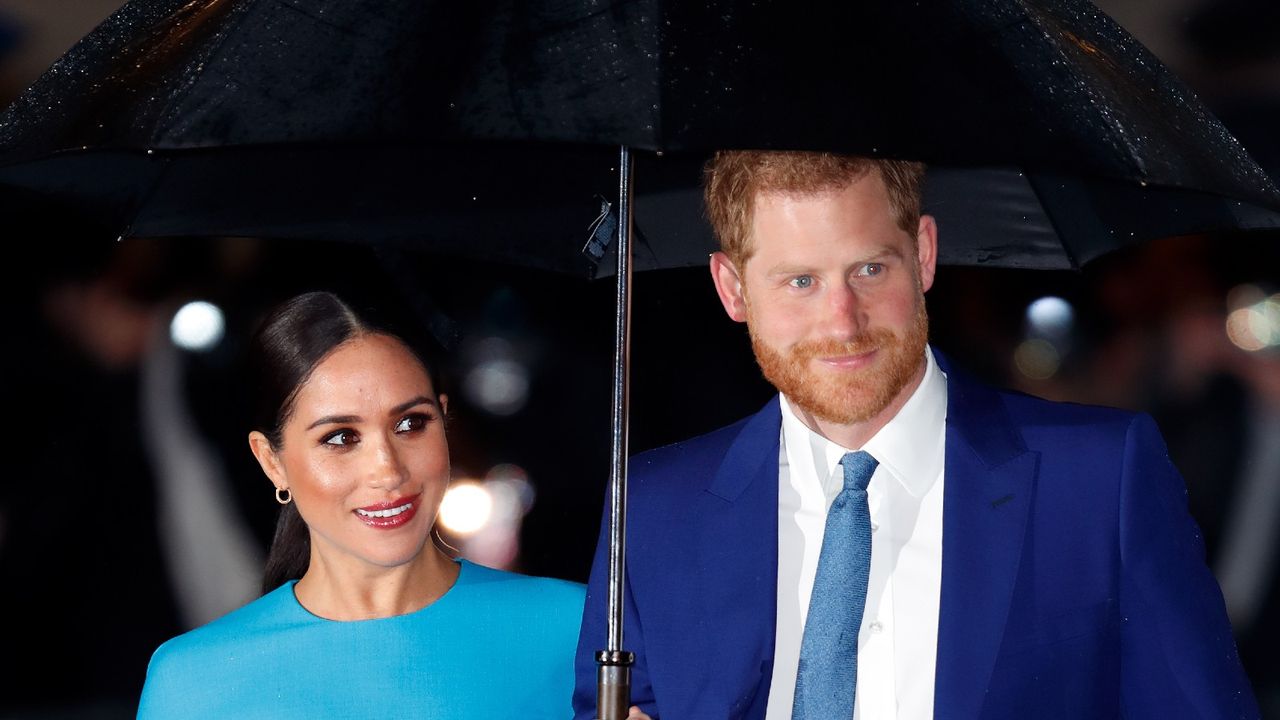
[858, 467]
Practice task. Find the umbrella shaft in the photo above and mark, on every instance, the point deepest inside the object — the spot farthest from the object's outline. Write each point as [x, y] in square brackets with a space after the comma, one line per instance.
[621, 373]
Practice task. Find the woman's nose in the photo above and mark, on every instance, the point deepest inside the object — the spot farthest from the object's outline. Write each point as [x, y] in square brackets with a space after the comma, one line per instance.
[389, 470]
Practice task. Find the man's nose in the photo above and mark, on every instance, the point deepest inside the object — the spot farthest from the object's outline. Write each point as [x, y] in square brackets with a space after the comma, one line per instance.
[845, 313]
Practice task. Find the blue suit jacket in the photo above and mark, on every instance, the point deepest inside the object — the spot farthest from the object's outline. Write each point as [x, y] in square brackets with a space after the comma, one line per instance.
[1073, 578]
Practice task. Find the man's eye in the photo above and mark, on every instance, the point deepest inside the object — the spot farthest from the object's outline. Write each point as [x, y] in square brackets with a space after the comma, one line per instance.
[342, 437]
[410, 423]
[871, 269]
[802, 281]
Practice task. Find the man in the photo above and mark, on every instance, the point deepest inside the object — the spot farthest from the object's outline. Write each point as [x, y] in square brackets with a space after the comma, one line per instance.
[889, 538]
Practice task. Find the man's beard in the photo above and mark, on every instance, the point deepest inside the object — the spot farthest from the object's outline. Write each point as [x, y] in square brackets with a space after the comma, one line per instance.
[846, 397]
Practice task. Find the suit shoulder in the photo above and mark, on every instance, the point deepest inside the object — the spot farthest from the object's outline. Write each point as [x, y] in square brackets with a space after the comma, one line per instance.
[711, 445]
[1029, 410]
[1024, 406]
[1075, 432]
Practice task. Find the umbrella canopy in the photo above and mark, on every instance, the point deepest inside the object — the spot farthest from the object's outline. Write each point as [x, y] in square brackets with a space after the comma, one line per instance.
[327, 118]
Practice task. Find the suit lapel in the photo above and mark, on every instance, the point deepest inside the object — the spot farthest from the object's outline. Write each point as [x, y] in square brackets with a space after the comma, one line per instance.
[753, 452]
[990, 479]
[738, 587]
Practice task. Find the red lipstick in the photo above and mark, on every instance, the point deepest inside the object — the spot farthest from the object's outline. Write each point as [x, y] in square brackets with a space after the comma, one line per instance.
[390, 514]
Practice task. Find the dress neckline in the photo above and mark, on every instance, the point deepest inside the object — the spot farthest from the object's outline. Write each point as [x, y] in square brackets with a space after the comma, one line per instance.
[290, 598]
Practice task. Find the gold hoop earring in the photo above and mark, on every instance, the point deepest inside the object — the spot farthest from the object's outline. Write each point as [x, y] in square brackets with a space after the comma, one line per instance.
[453, 552]
[286, 498]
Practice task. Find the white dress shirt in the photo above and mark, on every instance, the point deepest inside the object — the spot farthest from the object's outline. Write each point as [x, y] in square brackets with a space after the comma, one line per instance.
[898, 640]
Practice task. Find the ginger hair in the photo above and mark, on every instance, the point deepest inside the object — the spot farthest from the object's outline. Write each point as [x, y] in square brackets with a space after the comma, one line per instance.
[734, 178]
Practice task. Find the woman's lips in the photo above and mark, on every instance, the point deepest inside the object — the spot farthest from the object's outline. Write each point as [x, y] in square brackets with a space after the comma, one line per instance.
[390, 514]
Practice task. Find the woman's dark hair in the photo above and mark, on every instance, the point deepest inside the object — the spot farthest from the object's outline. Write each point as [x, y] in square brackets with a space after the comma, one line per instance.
[292, 340]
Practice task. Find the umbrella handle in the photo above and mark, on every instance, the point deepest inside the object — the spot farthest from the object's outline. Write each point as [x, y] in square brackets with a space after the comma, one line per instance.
[613, 684]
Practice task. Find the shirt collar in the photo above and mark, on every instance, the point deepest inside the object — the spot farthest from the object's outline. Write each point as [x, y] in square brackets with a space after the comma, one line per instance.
[909, 447]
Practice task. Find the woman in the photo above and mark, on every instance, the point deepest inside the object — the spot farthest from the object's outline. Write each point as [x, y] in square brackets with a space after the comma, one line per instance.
[364, 616]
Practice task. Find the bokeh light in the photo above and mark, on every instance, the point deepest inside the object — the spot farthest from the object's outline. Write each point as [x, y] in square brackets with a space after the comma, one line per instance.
[197, 326]
[1047, 337]
[466, 507]
[513, 493]
[1037, 359]
[485, 516]
[497, 382]
[1254, 322]
[1050, 316]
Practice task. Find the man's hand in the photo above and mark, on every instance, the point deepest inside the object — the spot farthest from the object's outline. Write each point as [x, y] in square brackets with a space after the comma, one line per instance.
[636, 714]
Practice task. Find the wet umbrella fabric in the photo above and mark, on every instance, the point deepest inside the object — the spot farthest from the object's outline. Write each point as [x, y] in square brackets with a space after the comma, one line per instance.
[316, 119]
[1051, 84]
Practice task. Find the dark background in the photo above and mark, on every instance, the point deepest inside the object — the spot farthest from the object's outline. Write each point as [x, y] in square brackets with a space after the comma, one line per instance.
[85, 598]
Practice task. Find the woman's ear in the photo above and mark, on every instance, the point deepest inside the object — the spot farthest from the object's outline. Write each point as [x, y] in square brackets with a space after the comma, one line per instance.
[444, 404]
[268, 460]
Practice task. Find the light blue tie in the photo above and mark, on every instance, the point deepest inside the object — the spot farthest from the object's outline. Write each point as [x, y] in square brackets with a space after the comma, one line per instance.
[828, 672]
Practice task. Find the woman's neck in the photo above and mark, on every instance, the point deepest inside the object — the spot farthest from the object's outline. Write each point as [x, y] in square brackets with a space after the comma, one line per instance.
[345, 589]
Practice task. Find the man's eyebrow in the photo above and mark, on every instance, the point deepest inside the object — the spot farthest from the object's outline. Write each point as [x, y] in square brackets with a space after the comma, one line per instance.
[788, 269]
[884, 252]
[785, 268]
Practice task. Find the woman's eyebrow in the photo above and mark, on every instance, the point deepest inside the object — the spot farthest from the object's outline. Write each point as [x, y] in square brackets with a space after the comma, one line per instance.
[345, 419]
[334, 420]
[420, 400]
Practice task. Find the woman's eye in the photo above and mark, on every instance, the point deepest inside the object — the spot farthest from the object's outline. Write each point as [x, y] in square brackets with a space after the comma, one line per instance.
[410, 423]
[802, 281]
[341, 437]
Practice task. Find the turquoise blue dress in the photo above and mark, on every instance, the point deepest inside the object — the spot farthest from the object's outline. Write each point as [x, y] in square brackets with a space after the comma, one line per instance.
[496, 645]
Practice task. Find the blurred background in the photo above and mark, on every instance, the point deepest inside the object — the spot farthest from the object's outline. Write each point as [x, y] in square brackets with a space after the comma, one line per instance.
[135, 510]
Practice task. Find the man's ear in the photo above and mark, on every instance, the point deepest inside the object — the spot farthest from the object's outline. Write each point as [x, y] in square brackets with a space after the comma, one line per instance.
[927, 250]
[268, 460]
[728, 282]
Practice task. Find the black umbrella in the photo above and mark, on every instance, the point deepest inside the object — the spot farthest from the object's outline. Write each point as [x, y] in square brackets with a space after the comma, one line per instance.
[1050, 84]
[213, 116]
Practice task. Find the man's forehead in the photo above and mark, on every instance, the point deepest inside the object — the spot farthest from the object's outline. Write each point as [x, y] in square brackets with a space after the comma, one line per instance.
[811, 185]
[853, 205]
[867, 185]
[782, 195]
